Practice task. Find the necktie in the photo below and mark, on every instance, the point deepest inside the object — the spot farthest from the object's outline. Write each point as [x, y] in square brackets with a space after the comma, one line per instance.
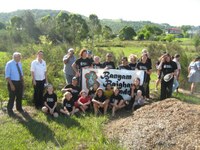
[19, 71]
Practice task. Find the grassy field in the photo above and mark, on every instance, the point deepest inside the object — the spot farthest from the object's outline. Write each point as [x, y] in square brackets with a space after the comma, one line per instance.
[35, 130]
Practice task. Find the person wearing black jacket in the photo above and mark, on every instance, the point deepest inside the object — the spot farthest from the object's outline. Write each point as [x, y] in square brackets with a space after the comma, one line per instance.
[167, 66]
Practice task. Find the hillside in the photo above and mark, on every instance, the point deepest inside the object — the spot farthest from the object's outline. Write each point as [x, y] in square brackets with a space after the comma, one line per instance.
[116, 25]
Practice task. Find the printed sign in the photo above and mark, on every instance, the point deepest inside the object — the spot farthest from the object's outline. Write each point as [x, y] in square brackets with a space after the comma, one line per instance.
[123, 79]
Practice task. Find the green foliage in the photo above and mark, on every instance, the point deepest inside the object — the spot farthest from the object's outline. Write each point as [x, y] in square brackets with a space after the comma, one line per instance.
[127, 33]
[35, 130]
[107, 32]
[196, 41]
[149, 32]
[2, 26]
[169, 37]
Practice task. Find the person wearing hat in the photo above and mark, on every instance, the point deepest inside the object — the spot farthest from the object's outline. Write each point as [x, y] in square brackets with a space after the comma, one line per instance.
[84, 101]
[167, 68]
[73, 88]
[68, 60]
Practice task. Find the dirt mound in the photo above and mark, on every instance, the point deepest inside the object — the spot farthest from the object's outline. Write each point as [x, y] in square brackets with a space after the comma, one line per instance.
[169, 124]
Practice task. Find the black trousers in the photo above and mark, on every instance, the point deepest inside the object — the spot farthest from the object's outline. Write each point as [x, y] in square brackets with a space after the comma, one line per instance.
[166, 89]
[38, 93]
[17, 94]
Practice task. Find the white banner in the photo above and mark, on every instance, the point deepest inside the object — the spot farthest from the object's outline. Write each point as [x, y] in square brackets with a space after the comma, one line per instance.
[123, 79]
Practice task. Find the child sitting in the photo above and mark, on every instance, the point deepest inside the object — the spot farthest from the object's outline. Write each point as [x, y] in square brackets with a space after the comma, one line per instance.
[108, 90]
[50, 102]
[116, 101]
[139, 100]
[68, 105]
[93, 90]
[84, 101]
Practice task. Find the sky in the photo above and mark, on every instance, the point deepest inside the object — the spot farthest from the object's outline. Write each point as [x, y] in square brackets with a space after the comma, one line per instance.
[173, 12]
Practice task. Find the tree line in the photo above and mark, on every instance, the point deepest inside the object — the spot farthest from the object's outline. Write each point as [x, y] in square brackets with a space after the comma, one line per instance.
[65, 27]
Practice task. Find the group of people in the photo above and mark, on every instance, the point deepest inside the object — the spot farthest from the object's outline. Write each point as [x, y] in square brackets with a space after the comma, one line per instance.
[76, 99]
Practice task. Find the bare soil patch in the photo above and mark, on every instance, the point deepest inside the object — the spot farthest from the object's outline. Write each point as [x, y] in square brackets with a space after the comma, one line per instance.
[168, 124]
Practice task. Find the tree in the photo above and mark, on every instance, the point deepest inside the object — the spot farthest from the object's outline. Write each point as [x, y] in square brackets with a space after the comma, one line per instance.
[62, 23]
[2, 26]
[47, 24]
[127, 33]
[17, 23]
[196, 41]
[78, 29]
[185, 28]
[30, 26]
[107, 32]
[95, 26]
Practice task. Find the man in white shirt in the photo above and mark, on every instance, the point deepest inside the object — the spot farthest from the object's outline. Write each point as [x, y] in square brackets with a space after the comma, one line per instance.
[39, 78]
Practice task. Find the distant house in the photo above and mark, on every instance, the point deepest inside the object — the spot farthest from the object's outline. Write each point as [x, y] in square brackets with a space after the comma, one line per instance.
[174, 31]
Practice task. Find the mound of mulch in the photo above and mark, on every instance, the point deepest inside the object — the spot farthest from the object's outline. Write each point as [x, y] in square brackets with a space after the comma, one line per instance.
[168, 124]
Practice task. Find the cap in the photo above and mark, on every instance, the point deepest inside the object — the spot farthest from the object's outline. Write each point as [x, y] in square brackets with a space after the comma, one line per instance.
[99, 89]
[89, 52]
[74, 78]
[168, 77]
[83, 91]
[70, 50]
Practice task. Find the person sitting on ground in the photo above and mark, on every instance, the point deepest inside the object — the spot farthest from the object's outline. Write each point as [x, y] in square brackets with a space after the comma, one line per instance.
[92, 90]
[116, 101]
[68, 107]
[139, 100]
[50, 102]
[100, 101]
[73, 88]
[108, 91]
[134, 88]
[124, 64]
[83, 103]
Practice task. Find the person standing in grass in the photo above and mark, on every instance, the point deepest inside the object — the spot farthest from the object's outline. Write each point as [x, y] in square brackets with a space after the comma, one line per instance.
[178, 71]
[83, 62]
[14, 76]
[133, 61]
[167, 66]
[194, 73]
[68, 107]
[50, 102]
[144, 64]
[108, 64]
[124, 65]
[68, 60]
[39, 78]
